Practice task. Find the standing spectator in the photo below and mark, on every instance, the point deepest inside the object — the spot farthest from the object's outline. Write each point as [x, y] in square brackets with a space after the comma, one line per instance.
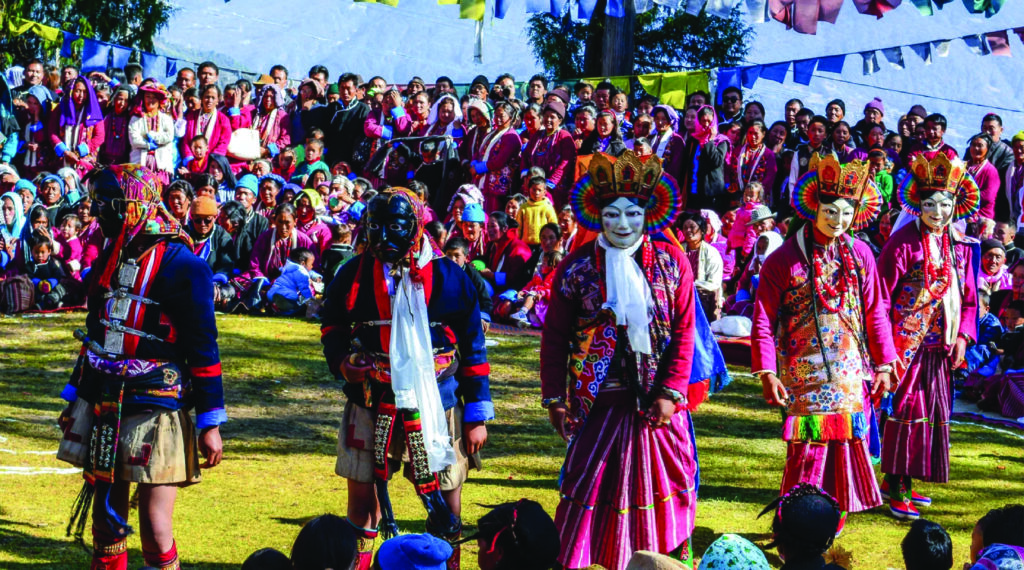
[704, 177]
[76, 132]
[209, 122]
[495, 165]
[272, 121]
[732, 106]
[874, 113]
[984, 173]
[151, 132]
[116, 147]
[553, 149]
[341, 121]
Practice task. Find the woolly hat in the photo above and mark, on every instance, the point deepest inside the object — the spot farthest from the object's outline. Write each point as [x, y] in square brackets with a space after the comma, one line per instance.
[875, 104]
[1018, 137]
[839, 103]
[474, 213]
[557, 107]
[25, 184]
[414, 552]
[991, 244]
[481, 80]
[204, 206]
[249, 182]
[918, 110]
[561, 93]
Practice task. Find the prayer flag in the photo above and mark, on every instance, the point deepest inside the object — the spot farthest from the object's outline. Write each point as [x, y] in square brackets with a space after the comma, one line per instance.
[803, 70]
[721, 8]
[154, 66]
[677, 85]
[670, 4]
[471, 9]
[725, 77]
[758, 11]
[749, 75]
[619, 81]
[894, 56]
[924, 7]
[651, 83]
[643, 6]
[172, 68]
[537, 6]
[94, 55]
[988, 7]
[923, 51]
[500, 8]
[941, 48]
[870, 62]
[775, 71]
[694, 7]
[976, 44]
[831, 64]
[1020, 33]
[615, 9]
[586, 9]
[121, 55]
[66, 49]
[999, 43]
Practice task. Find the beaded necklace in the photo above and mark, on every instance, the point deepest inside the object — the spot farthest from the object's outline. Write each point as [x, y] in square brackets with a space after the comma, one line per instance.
[937, 278]
[832, 294]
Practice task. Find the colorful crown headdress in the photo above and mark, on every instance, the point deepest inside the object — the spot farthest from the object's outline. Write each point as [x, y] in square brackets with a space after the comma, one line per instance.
[851, 181]
[939, 174]
[627, 176]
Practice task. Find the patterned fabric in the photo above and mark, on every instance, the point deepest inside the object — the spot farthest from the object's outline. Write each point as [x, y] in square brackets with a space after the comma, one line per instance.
[733, 551]
[1001, 557]
[843, 469]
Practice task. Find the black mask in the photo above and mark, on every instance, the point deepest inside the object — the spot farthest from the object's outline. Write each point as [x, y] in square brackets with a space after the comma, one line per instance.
[108, 203]
[391, 226]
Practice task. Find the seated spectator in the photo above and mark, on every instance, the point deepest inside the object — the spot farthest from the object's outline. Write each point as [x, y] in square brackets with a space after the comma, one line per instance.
[413, 552]
[51, 196]
[742, 302]
[1002, 299]
[328, 541]
[1006, 232]
[536, 212]
[997, 542]
[567, 223]
[530, 304]
[12, 222]
[178, 196]
[296, 286]
[927, 546]
[273, 247]
[981, 356]
[706, 263]
[199, 162]
[314, 151]
[70, 244]
[731, 551]
[471, 228]
[742, 235]
[338, 251]
[505, 256]
[806, 522]
[994, 276]
[466, 194]
[516, 536]
[308, 208]
[45, 271]
[269, 187]
[220, 169]
[211, 242]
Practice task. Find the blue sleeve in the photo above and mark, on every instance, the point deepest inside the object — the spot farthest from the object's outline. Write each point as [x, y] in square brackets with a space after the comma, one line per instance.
[234, 111]
[274, 150]
[397, 112]
[10, 148]
[60, 149]
[83, 149]
[464, 320]
[385, 133]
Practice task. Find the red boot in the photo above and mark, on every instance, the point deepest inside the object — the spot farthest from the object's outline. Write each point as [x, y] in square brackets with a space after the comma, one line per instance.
[108, 555]
[166, 561]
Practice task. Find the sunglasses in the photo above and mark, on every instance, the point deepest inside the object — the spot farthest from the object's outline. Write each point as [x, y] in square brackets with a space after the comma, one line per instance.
[204, 219]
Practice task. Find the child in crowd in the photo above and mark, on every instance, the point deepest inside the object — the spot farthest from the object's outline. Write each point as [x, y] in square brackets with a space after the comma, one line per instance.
[457, 250]
[536, 212]
[516, 536]
[284, 163]
[997, 542]
[296, 286]
[437, 231]
[200, 160]
[742, 303]
[806, 522]
[532, 300]
[512, 207]
[70, 245]
[314, 150]
[45, 271]
[741, 235]
[338, 251]
[927, 546]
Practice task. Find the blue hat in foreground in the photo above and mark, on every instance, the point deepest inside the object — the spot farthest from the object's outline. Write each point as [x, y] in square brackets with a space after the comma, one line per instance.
[414, 552]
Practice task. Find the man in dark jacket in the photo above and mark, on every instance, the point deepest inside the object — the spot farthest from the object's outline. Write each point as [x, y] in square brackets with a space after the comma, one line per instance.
[210, 242]
[341, 122]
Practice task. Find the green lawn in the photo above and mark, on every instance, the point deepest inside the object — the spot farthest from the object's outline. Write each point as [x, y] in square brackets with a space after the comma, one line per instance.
[278, 470]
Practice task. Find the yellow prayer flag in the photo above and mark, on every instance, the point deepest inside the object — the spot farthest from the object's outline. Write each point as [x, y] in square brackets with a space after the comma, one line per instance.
[619, 81]
[651, 83]
[676, 86]
[17, 26]
[472, 9]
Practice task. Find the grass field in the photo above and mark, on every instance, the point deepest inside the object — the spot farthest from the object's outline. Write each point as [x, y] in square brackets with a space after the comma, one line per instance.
[278, 470]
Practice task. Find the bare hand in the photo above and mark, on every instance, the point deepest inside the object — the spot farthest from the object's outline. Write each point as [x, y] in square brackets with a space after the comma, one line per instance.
[33, 147]
[959, 350]
[475, 436]
[660, 413]
[71, 156]
[774, 392]
[881, 384]
[486, 326]
[556, 415]
[211, 447]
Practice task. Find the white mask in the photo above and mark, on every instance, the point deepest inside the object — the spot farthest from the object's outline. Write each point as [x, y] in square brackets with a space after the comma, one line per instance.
[622, 223]
[937, 211]
[835, 219]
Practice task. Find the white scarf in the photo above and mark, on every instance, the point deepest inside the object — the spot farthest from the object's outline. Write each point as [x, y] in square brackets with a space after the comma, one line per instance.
[412, 364]
[661, 143]
[629, 295]
[208, 131]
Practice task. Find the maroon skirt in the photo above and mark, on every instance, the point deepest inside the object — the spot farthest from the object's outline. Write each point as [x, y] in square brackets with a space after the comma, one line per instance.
[915, 441]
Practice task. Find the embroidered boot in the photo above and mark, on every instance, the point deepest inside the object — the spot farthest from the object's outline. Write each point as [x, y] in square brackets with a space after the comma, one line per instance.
[366, 538]
[166, 561]
[899, 499]
[109, 555]
[684, 554]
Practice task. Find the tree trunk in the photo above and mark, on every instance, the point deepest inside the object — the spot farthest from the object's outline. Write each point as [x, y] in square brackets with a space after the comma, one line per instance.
[617, 49]
[593, 53]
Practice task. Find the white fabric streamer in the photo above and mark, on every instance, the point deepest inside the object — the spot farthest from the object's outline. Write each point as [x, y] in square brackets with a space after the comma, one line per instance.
[629, 295]
[412, 364]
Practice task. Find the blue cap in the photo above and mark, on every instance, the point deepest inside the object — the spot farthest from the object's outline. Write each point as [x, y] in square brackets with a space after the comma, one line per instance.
[474, 213]
[24, 184]
[414, 552]
[249, 182]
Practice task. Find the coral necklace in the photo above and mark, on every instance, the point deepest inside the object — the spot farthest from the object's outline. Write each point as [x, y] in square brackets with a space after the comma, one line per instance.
[937, 278]
[831, 293]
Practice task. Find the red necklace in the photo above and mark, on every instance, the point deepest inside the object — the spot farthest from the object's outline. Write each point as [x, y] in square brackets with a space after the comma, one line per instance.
[937, 278]
[831, 293]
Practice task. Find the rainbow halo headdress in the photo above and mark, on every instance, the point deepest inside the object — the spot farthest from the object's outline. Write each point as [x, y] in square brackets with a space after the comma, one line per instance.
[939, 174]
[851, 181]
[609, 178]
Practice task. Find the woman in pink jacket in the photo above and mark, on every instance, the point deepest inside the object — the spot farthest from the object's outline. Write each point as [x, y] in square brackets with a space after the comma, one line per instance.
[207, 121]
[77, 130]
[273, 122]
